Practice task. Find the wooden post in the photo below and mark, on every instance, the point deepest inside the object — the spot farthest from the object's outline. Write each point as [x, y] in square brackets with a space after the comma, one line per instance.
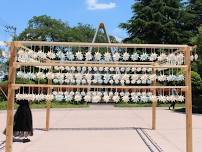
[48, 106]
[10, 102]
[188, 101]
[154, 103]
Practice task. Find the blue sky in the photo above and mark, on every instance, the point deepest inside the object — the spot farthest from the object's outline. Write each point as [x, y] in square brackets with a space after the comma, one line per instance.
[111, 12]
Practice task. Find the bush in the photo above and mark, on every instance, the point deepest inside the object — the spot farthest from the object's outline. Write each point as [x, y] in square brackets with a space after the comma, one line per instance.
[196, 83]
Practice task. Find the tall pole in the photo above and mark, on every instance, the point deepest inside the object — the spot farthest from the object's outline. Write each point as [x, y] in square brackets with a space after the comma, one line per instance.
[154, 102]
[48, 104]
[10, 102]
[188, 100]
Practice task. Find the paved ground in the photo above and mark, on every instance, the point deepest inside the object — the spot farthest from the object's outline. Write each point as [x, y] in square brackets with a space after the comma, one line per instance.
[108, 129]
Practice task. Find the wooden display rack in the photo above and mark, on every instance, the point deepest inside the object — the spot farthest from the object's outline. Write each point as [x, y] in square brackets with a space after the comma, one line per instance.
[13, 64]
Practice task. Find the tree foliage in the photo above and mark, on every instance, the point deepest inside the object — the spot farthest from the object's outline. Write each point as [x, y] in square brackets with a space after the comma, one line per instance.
[157, 21]
[45, 28]
[196, 83]
[195, 9]
[197, 40]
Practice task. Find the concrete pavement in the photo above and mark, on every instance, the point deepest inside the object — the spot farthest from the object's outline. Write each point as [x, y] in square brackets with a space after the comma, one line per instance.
[107, 129]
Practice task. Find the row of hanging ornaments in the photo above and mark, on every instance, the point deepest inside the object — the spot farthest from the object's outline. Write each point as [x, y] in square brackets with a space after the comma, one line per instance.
[172, 58]
[79, 78]
[97, 96]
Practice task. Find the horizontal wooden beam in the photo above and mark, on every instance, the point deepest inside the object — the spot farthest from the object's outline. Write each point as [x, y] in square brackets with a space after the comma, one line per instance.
[119, 45]
[16, 86]
[18, 64]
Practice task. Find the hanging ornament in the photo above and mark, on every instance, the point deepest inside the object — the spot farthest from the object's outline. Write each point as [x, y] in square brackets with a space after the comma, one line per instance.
[172, 58]
[89, 56]
[106, 78]
[96, 99]
[162, 77]
[144, 69]
[106, 97]
[78, 69]
[139, 69]
[40, 75]
[68, 97]
[153, 57]
[123, 69]
[101, 69]
[134, 97]
[60, 55]
[144, 98]
[50, 75]
[180, 58]
[55, 80]
[78, 97]
[180, 77]
[180, 98]
[126, 56]
[127, 69]
[48, 97]
[98, 56]
[84, 69]
[133, 69]
[41, 54]
[135, 56]
[31, 76]
[117, 69]
[111, 69]
[70, 55]
[106, 69]
[125, 98]
[107, 56]
[152, 77]
[59, 97]
[116, 56]
[144, 78]
[51, 55]
[162, 57]
[162, 98]
[20, 52]
[116, 98]
[152, 98]
[196, 57]
[87, 98]
[192, 58]
[144, 57]
[79, 56]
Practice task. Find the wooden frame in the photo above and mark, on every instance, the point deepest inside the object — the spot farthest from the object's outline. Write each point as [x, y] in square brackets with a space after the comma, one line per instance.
[24, 44]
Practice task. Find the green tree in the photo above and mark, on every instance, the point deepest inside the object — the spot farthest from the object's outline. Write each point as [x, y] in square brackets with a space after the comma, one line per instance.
[196, 91]
[45, 28]
[85, 33]
[196, 83]
[157, 21]
[195, 8]
[197, 40]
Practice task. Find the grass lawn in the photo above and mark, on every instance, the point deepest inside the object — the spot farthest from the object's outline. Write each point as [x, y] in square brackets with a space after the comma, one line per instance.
[178, 105]
[54, 104]
[42, 105]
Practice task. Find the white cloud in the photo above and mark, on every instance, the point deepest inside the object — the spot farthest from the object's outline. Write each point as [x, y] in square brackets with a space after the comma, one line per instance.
[94, 5]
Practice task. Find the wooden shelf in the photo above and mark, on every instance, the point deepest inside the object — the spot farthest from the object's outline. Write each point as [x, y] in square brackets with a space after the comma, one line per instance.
[96, 86]
[18, 64]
